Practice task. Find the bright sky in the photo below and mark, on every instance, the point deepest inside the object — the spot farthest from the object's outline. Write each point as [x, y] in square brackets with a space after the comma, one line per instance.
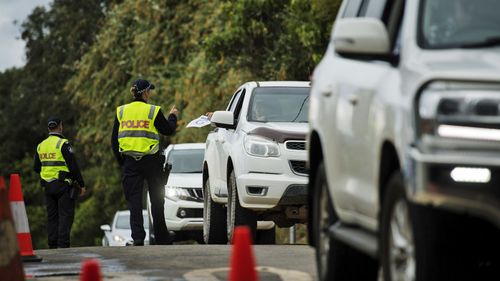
[12, 48]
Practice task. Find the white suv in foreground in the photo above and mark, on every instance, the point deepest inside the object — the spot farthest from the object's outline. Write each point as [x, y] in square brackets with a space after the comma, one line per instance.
[255, 161]
[404, 142]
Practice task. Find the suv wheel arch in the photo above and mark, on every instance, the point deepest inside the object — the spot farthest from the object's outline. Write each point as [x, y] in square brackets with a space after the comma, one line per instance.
[389, 164]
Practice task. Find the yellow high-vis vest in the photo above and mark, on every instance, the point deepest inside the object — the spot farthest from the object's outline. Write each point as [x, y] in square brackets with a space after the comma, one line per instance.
[51, 157]
[137, 135]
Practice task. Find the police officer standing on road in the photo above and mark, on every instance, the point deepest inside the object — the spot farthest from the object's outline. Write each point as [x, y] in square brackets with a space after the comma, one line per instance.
[135, 143]
[58, 169]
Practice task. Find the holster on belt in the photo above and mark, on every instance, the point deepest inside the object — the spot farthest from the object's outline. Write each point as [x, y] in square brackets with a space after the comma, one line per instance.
[63, 176]
[74, 189]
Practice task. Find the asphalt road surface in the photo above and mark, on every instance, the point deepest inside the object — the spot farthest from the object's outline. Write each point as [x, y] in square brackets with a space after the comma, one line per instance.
[176, 263]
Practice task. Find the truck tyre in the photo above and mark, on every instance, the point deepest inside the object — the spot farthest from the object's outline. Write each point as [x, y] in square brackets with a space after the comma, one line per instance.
[441, 245]
[236, 214]
[266, 236]
[214, 218]
[397, 236]
[334, 259]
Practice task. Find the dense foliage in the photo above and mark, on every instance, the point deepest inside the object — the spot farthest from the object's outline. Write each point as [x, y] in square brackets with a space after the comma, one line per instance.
[55, 39]
[80, 66]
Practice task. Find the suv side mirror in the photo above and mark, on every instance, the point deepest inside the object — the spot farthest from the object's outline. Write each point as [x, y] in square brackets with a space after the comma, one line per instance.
[106, 227]
[223, 119]
[361, 36]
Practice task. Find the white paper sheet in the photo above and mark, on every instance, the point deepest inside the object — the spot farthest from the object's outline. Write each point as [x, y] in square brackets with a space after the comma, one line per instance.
[199, 122]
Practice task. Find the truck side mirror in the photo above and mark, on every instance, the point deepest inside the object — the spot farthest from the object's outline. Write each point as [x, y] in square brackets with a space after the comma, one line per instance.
[223, 119]
[106, 227]
[361, 36]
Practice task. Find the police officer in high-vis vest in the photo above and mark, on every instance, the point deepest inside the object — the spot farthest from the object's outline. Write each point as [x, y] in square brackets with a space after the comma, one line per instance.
[135, 143]
[58, 170]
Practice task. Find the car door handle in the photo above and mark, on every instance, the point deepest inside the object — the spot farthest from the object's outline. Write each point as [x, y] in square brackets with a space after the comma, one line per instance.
[353, 100]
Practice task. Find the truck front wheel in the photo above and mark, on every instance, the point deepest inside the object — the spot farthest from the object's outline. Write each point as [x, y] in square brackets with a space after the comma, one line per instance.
[236, 214]
[334, 259]
[214, 218]
[398, 246]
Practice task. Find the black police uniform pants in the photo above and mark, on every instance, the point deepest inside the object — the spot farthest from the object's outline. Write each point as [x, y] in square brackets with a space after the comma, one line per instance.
[60, 214]
[148, 168]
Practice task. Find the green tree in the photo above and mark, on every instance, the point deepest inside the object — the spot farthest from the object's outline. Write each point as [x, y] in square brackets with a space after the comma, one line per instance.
[55, 39]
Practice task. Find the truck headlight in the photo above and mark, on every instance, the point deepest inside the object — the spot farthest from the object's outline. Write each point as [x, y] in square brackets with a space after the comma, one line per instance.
[260, 146]
[175, 193]
[118, 238]
[460, 111]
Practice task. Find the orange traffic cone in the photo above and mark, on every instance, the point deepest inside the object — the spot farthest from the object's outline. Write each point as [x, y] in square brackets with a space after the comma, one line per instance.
[242, 266]
[21, 220]
[11, 267]
[91, 270]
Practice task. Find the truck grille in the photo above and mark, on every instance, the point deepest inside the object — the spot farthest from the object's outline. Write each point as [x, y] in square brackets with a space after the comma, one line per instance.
[295, 145]
[299, 167]
[195, 192]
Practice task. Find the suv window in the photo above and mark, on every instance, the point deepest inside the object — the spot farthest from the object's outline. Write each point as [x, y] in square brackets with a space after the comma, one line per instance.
[373, 9]
[459, 24]
[279, 104]
[233, 99]
[352, 9]
[186, 160]
[365, 8]
[123, 221]
[390, 12]
[238, 104]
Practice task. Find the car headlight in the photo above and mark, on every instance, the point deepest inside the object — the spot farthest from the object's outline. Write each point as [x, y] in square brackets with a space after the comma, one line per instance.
[118, 238]
[460, 111]
[260, 146]
[175, 193]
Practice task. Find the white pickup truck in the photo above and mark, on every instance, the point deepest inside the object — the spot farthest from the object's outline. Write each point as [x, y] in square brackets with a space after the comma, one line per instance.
[404, 142]
[255, 162]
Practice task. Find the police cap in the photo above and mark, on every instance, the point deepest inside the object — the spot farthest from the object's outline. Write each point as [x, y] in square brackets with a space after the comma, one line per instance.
[142, 85]
[53, 122]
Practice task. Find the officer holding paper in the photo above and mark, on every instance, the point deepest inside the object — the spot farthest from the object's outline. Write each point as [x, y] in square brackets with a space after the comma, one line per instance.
[135, 143]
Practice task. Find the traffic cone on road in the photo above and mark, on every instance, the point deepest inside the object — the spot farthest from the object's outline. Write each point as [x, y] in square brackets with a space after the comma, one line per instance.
[21, 220]
[91, 270]
[242, 264]
[11, 267]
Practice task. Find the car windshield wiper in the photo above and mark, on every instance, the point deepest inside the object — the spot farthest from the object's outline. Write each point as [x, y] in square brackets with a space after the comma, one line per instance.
[488, 42]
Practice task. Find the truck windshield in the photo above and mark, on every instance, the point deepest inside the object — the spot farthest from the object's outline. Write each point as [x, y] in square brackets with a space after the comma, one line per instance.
[279, 104]
[186, 160]
[459, 24]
